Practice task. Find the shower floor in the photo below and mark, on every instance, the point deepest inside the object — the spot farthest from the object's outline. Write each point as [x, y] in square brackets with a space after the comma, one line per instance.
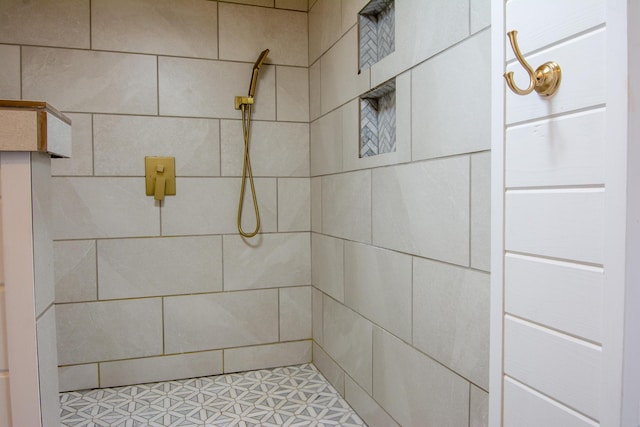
[289, 396]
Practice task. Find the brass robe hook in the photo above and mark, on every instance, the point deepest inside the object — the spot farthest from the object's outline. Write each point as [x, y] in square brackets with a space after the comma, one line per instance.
[545, 79]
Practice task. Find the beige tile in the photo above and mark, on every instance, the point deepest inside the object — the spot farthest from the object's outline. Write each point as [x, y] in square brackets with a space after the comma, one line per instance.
[162, 368]
[48, 367]
[480, 11]
[210, 206]
[301, 5]
[276, 149]
[348, 340]
[272, 260]
[165, 27]
[478, 407]
[451, 317]
[204, 88]
[81, 161]
[414, 389]
[377, 284]
[267, 356]
[9, 72]
[294, 203]
[366, 407]
[103, 207]
[481, 211]
[327, 265]
[350, 9]
[295, 313]
[329, 368]
[436, 117]
[346, 206]
[135, 268]
[5, 400]
[4, 364]
[122, 142]
[316, 205]
[265, 3]
[423, 209]
[108, 330]
[316, 302]
[326, 144]
[246, 31]
[75, 270]
[292, 91]
[339, 77]
[314, 91]
[238, 319]
[311, 3]
[78, 377]
[88, 81]
[41, 22]
[325, 22]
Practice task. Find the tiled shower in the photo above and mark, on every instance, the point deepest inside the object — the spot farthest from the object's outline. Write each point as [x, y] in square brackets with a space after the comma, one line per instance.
[373, 268]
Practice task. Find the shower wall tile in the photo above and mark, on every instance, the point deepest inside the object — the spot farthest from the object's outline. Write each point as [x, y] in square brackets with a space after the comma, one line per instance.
[314, 91]
[204, 88]
[88, 81]
[136, 268]
[451, 317]
[4, 364]
[348, 340]
[78, 377]
[480, 11]
[294, 201]
[377, 284]
[325, 25]
[329, 368]
[165, 27]
[267, 356]
[245, 31]
[273, 260]
[210, 206]
[295, 313]
[81, 161]
[316, 205]
[41, 22]
[48, 364]
[89, 208]
[326, 144]
[75, 270]
[122, 142]
[292, 92]
[414, 389]
[346, 205]
[316, 315]
[5, 401]
[301, 5]
[478, 407]
[265, 3]
[277, 149]
[164, 368]
[339, 77]
[366, 407]
[108, 330]
[327, 268]
[9, 71]
[436, 120]
[350, 11]
[311, 3]
[235, 318]
[481, 211]
[423, 209]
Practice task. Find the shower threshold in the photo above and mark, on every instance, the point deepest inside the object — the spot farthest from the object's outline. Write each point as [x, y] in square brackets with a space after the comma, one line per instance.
[288, 396]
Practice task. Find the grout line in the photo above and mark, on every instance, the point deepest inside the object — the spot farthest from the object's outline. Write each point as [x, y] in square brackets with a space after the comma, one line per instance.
[279, 323]
[222, 260]
[20, 60]
[470, 245]
[95, 245]
[90, 25]
[163, 326]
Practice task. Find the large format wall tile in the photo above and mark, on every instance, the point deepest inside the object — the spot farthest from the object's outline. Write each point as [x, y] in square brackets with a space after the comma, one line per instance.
[316, 204]
[481, 211]
[87, 81]
[295, 313]
[294, 200]
[42, 22]
[350, 11]
[292, 92]
[4, 364]
[423, 209]
[329, 368]
[214, 321]
[122, 142]
[451, 317]
[166, 27]
[314, 91]
[413, 388]
[210, 206]
[301, 5]
[272, 260]
[108, 330]
[247, 31]
[81, 161]
[316, 315]
[75, 270]
[133, 268]
[9, 72]
[78, 377]
[93, 207]
[346, 205]
[480, 14]
[325, 24]
[267, 356]
[347, 339]
[478, 407]
[204, 88]
[325, 144]
[277, 149]
[366, 407]
[377, 284]
[327, 265]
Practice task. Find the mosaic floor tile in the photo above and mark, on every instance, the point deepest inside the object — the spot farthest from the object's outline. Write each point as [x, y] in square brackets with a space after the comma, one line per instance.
[290, 396]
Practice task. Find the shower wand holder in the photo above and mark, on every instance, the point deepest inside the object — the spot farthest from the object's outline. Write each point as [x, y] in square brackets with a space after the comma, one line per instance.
[243, 100]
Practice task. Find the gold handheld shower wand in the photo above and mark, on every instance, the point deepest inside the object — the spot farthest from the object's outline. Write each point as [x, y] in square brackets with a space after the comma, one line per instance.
[244, 104]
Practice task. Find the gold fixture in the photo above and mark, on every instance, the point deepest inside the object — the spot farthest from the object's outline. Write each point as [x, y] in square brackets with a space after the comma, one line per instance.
[160, 173]
[243, 100]
[545, 80]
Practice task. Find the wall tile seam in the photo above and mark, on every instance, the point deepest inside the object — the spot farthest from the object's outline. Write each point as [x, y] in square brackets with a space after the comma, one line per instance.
[332, 45]
[303, 176]
[260, 6]
[274, 233]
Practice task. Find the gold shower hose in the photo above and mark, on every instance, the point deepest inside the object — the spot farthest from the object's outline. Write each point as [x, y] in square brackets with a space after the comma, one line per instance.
[246, 170]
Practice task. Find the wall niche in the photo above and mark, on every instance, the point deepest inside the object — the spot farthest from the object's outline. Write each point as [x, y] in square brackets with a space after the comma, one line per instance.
[376, 31]
[378, 120]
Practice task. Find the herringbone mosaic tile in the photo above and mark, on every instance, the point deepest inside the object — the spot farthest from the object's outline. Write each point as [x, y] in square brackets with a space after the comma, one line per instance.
[377, 31]
[378, 120]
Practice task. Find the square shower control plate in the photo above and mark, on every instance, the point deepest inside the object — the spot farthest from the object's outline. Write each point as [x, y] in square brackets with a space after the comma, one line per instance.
[168, 167]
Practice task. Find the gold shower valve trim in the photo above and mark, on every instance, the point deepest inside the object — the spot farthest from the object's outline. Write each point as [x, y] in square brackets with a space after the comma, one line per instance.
[160, 176]
[243, 100]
